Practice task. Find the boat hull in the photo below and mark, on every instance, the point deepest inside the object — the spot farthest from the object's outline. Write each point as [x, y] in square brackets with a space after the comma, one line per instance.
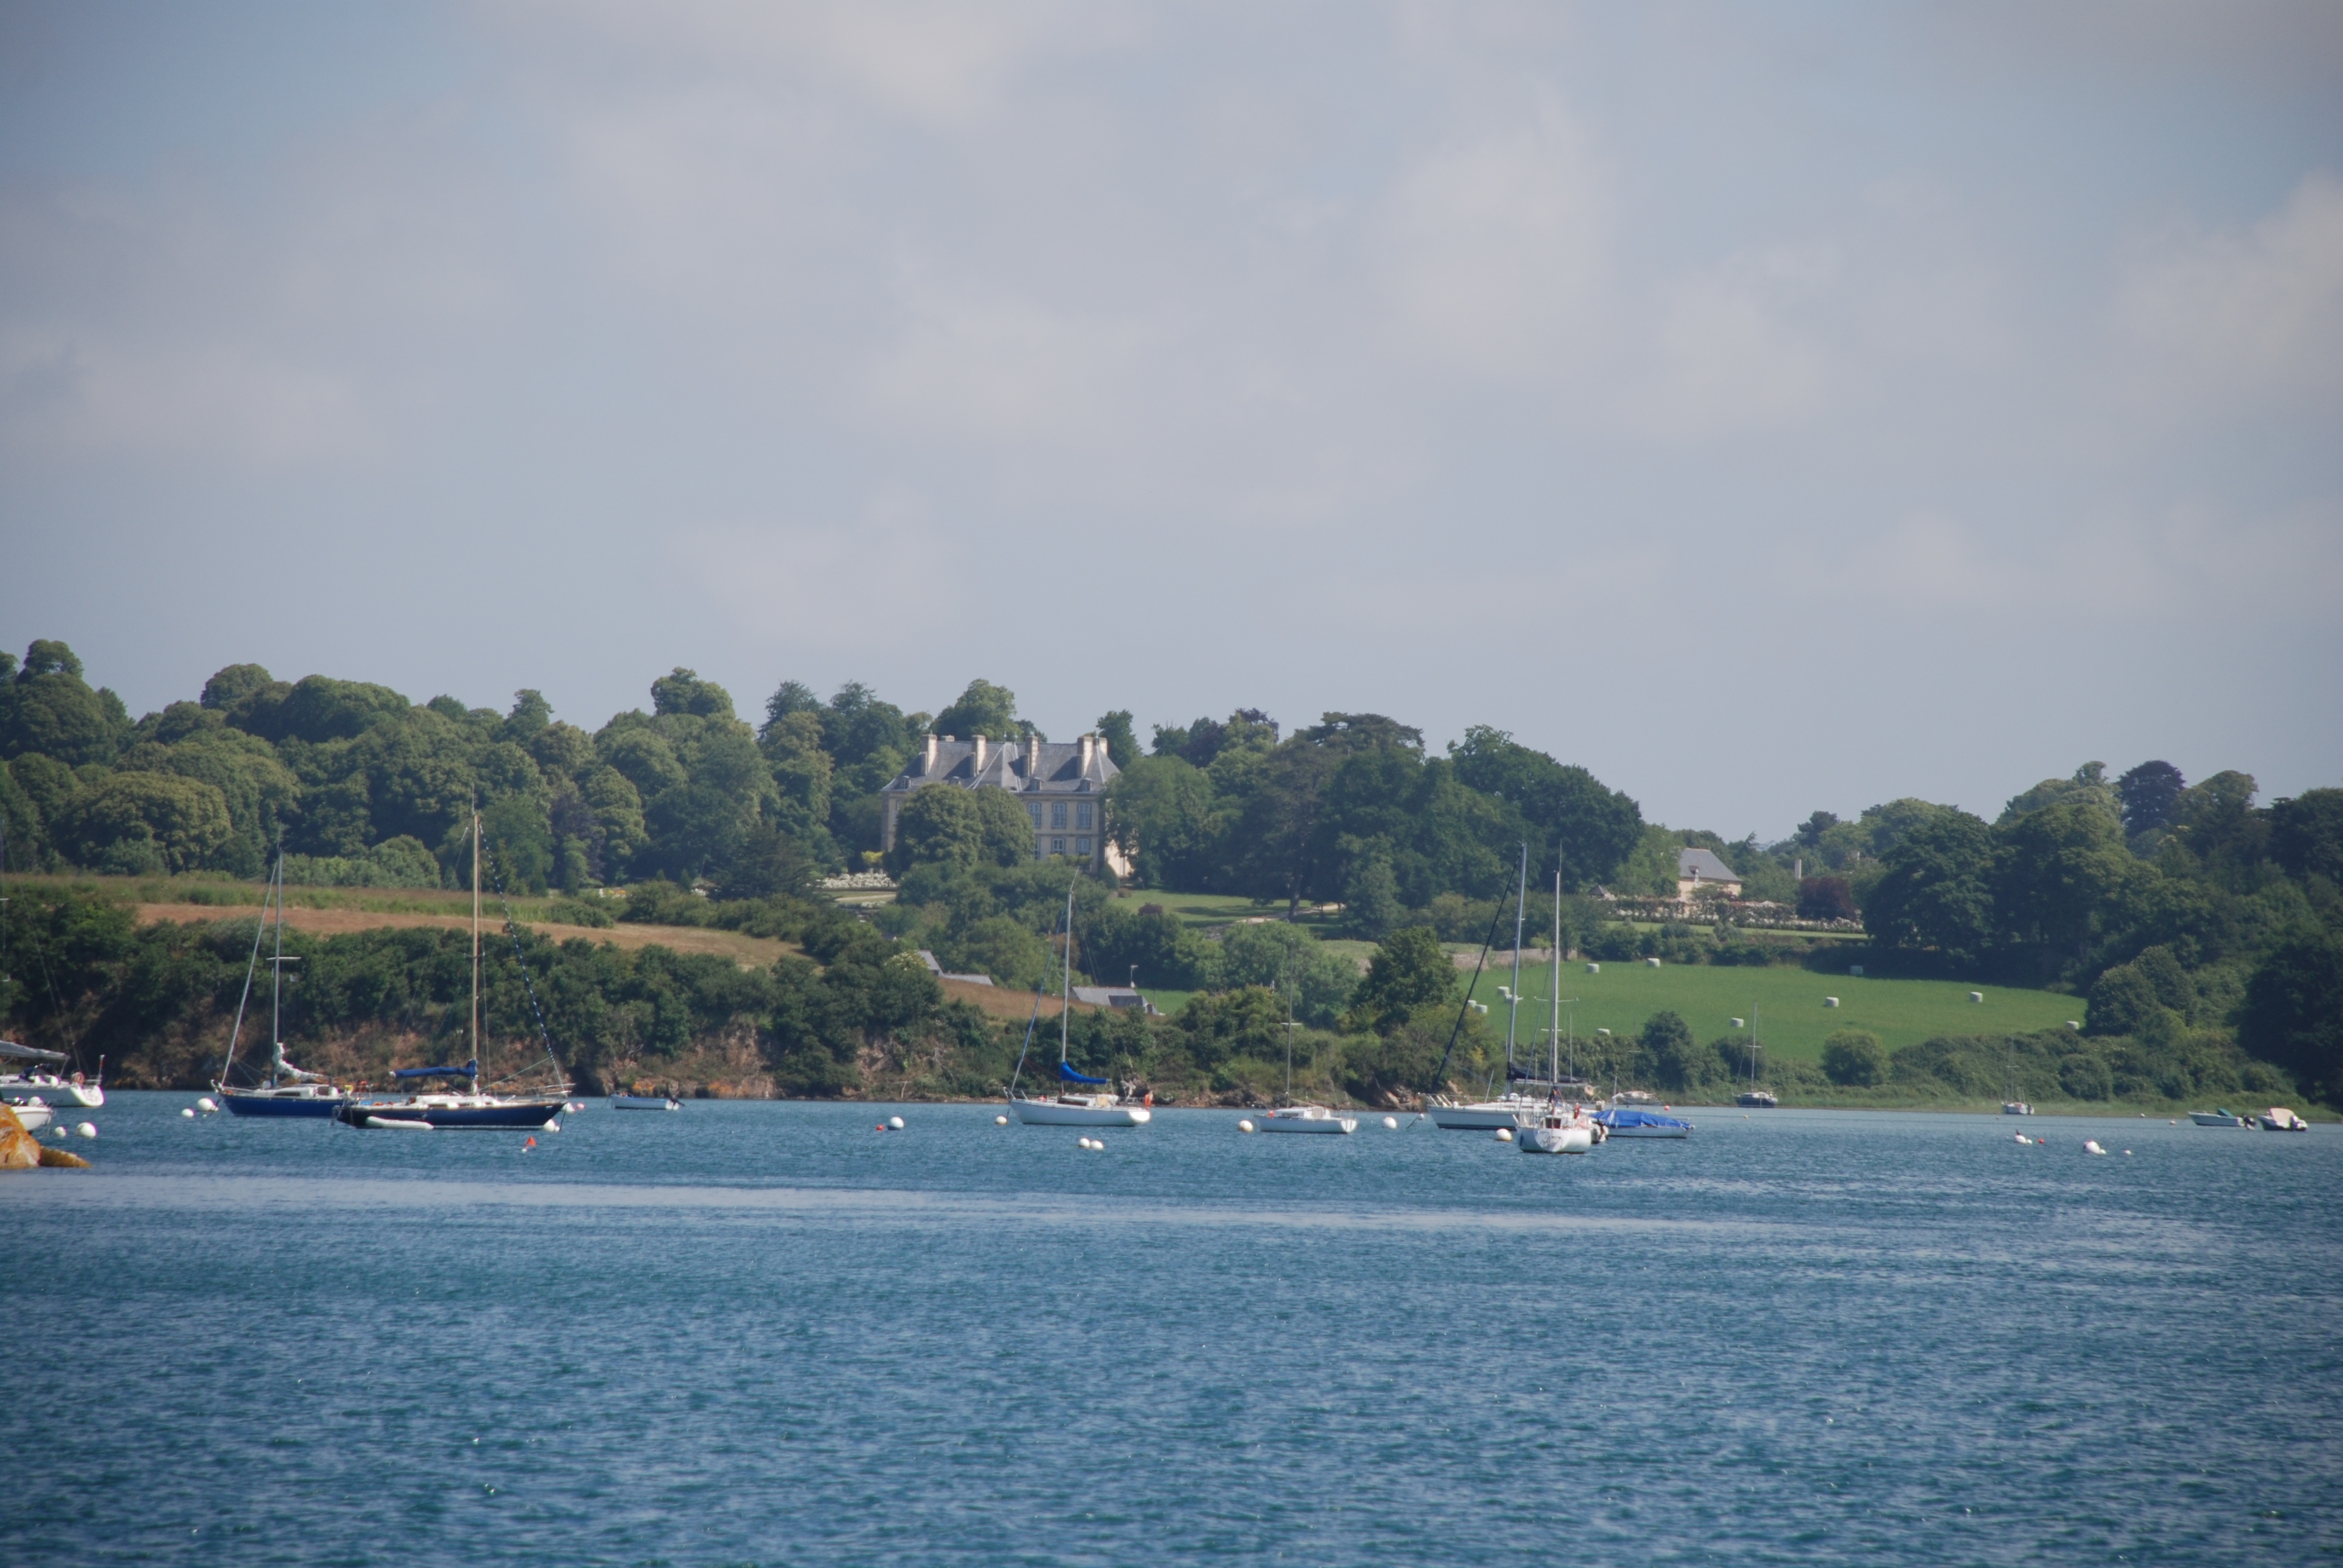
[2015, 1108]
[32, 1114]
[508, 1114]
[1483, 1118]
[1626, 1128]
[1339, 1126]
[266, 1105]
[1057, 1114]
[1555, 1140]
[2215, 1119]
[644, 1102]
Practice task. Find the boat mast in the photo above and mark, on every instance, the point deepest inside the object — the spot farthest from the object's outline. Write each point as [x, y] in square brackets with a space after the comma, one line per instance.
[1553, 1030]
[476, 945]
[276, 978]
[1066, 978]
[1521, 897]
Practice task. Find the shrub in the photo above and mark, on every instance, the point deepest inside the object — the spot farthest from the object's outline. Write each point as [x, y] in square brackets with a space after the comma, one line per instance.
[1852, 1058]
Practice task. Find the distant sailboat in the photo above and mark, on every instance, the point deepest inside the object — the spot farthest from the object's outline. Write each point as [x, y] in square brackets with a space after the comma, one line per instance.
[1561, 1127]
[472, 1106]
[1291, 1117]
[1068, 1107]
[1508, 1110]
[287, 1090]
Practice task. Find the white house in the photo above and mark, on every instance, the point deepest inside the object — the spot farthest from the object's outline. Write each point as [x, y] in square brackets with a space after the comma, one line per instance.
[1062, 782]
[1698, 868]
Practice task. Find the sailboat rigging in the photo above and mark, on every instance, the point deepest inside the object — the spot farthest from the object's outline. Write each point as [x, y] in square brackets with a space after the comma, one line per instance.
[1069, 1108]
[468, 1102]
[286, 1091]
[1508, 1110]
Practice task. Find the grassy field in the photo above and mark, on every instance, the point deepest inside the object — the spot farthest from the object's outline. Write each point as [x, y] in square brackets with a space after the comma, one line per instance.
[1786, 1003]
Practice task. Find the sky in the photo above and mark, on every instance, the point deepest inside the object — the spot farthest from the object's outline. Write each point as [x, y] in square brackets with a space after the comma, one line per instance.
[1771, 407]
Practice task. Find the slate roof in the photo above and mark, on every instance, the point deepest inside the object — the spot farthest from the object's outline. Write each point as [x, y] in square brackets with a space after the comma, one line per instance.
[1703, 865]
[1025, 768]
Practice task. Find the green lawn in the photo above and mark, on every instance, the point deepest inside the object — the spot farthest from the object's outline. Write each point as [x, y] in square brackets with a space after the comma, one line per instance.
[1786, 1003]
[1222, 909]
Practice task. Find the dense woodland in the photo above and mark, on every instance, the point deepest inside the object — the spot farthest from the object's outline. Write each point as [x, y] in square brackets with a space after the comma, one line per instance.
[2202, 929]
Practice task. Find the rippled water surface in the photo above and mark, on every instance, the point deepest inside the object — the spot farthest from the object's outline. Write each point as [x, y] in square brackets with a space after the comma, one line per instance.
[751, 1333]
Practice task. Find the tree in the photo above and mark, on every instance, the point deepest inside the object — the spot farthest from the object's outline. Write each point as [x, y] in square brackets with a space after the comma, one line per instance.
[1825, 899]
[681, 691]
[234, 685]
[789, 696]
[983, 709]
[1371, 905]
[766, 865]
[2306, 834]
[1006, 827]
[519, 844]
[801, 772]
[1584, 829]
[1159, 816]
[2293, 1011]
[2148, 793]
[1122, 744]
[2060, 881]
[1667, 1039]
[1853, 1058]
[1410, 970]
[939, 824]
[141, 823]
[1937, 894]
[1810, 831]
[50, 709]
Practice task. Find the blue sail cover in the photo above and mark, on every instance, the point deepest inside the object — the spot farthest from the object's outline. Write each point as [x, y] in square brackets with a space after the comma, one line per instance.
[469, 1070]
[1071, 1076]
[1614, 1120]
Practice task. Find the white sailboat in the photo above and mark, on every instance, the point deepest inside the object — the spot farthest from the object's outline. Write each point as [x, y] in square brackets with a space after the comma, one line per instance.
[27, 1072]
[1291, 1117]
[1510, 1109]
[1070, 1106]
[31, 1110]
[1561, 1127]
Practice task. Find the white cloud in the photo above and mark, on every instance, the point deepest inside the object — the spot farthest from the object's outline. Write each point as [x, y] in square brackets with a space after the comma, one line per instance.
[1494, 247]
[2218, 320]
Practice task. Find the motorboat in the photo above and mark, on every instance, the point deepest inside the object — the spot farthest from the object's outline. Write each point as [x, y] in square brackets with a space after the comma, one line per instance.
[1636, 1122]
[16, 1089]
[645, 1102]
[2278, 1119]
[475, 1106]
[2221, 1118]
[1561, 1130]
[1307, 1119]
[88, 1093]
[2015, 1108]
[1081, 1100]
[1756, 1100]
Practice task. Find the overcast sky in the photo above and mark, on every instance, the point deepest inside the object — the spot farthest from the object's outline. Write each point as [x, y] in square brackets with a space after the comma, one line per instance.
[1772, 408]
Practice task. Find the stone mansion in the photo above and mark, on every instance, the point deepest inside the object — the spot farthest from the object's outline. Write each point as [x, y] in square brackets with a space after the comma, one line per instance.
[1062, 783]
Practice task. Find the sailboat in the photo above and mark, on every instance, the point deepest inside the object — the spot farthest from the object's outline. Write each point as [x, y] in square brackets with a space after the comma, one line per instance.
[1560, 1127]
[26, 1071]
[466, 1103]
[1508, 1110]
[287, 1090]
[1754, 1098]
[33, 1113]
[1069, 1107]
[2011, 1105]
[1290, 1117]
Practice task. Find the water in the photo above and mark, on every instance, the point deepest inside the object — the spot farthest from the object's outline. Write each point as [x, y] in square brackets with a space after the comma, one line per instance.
[753, 1332]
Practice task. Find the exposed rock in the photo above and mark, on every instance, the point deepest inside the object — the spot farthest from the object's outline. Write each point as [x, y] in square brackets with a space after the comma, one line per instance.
[20, 1151]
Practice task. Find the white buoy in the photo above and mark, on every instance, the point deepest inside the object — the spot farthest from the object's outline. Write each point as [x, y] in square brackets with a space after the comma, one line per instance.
[1392, 1124]
[1245, 1125]
[189, 1112]
[88, 1130]
[2022, 1137]
[1001, 1121]
[205, 1105]
[2127, 1152]
[896, 1122]
[1505, 1135]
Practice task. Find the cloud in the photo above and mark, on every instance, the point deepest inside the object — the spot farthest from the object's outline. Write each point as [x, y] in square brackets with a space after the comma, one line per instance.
[2221, 321]
[1733, 353]
[1494, 247]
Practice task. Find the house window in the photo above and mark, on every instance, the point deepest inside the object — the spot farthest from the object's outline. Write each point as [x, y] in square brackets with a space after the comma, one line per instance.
[1081, 845]
[1057, 846]
[1082, 814]
[1035, 807]
[1057, 813]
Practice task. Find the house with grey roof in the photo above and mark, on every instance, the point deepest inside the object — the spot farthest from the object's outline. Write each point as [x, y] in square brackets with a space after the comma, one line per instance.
[1698, 868]
[1062, 784]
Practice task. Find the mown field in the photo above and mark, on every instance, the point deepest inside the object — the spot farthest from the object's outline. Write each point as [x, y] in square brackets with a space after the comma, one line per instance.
[1785, 1004]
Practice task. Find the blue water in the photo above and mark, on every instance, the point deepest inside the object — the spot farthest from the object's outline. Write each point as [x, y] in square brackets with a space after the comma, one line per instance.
[753, 1332]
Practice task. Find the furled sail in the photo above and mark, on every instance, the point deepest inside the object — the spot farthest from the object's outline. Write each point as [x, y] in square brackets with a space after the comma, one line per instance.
[469, 1070]
[1071, 1076]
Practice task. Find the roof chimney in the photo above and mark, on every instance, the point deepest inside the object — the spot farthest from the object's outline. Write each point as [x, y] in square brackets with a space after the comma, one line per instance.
[1087, 742]
[1032, 761]
[929, 766]
[980, 753]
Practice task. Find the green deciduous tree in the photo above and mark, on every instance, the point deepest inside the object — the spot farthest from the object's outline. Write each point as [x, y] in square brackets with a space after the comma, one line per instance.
[139, 823]
[983, 709]
[1409, 971]
[1122, 744]
[2293, 1011]
[2306, 834]
[1852, 1058]
[1580, 827]
[1938, 896]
